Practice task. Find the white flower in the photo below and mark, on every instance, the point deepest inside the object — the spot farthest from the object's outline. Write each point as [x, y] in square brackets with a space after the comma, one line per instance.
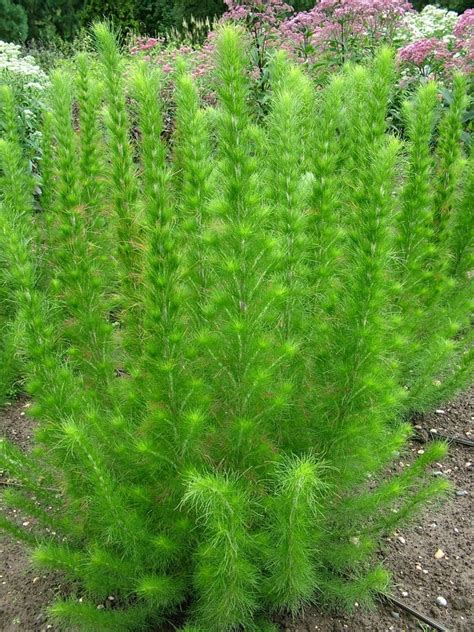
[12, 61]
[34, 85]
[430, 22]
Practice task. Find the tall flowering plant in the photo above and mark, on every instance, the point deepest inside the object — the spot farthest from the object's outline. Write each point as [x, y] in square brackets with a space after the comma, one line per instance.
[28, 81]
[342, 30]
[263, 20]
[263, 13]
[431, 21]
[464, 45]
[433, 43]
[429, 56]
[199, 60]
[444, 48]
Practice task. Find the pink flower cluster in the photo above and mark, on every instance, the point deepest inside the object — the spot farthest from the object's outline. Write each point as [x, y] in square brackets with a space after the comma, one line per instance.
[263, 19]
[263, 13]
[200, 60]
[465, 25]
[333, 32]
[335, 29]
[420, 52]
[464, 46]
[436, 58]
[145, 43]
[376, 9]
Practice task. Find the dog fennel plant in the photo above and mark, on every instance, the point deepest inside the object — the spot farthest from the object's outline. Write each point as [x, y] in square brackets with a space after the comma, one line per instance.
[222, 334]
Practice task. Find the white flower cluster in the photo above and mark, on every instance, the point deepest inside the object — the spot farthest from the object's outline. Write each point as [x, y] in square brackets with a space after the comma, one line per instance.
[11, 60]
[29, 82]
[430, 22]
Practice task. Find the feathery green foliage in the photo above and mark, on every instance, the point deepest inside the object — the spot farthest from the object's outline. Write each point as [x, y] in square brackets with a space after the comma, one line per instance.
[222, 334]
[16, 186]
[435, 262]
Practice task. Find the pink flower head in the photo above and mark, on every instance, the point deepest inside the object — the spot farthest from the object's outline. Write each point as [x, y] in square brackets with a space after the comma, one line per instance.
[423, 51]
[465, 24]
[143, 44]
[344, 29]
[464, 46]
[263, 13]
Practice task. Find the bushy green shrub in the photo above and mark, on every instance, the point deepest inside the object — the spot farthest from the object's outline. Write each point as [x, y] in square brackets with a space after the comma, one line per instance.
[14, 23]
[52, 18]
[123, 14]
[223, 334]
[199, 9]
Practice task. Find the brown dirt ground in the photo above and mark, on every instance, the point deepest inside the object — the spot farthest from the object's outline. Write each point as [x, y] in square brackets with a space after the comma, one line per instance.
[418, 576]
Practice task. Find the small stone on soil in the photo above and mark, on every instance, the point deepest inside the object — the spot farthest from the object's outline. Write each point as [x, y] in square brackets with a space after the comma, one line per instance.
[439, 554]
[461, 603]
[461, 492]
[441, 602]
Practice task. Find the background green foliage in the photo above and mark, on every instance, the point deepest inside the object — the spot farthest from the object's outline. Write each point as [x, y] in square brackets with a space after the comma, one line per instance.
[302, 5]
[183, 9]
[13, 22]
[47, 19]
[121, 13]
[50, 18]
[155, 16]
[452, 5]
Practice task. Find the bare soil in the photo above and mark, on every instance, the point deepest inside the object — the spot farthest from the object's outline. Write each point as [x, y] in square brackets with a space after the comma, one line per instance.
[428, 559]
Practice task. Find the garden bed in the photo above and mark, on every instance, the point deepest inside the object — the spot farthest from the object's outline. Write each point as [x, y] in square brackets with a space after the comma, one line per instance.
[430, 558]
